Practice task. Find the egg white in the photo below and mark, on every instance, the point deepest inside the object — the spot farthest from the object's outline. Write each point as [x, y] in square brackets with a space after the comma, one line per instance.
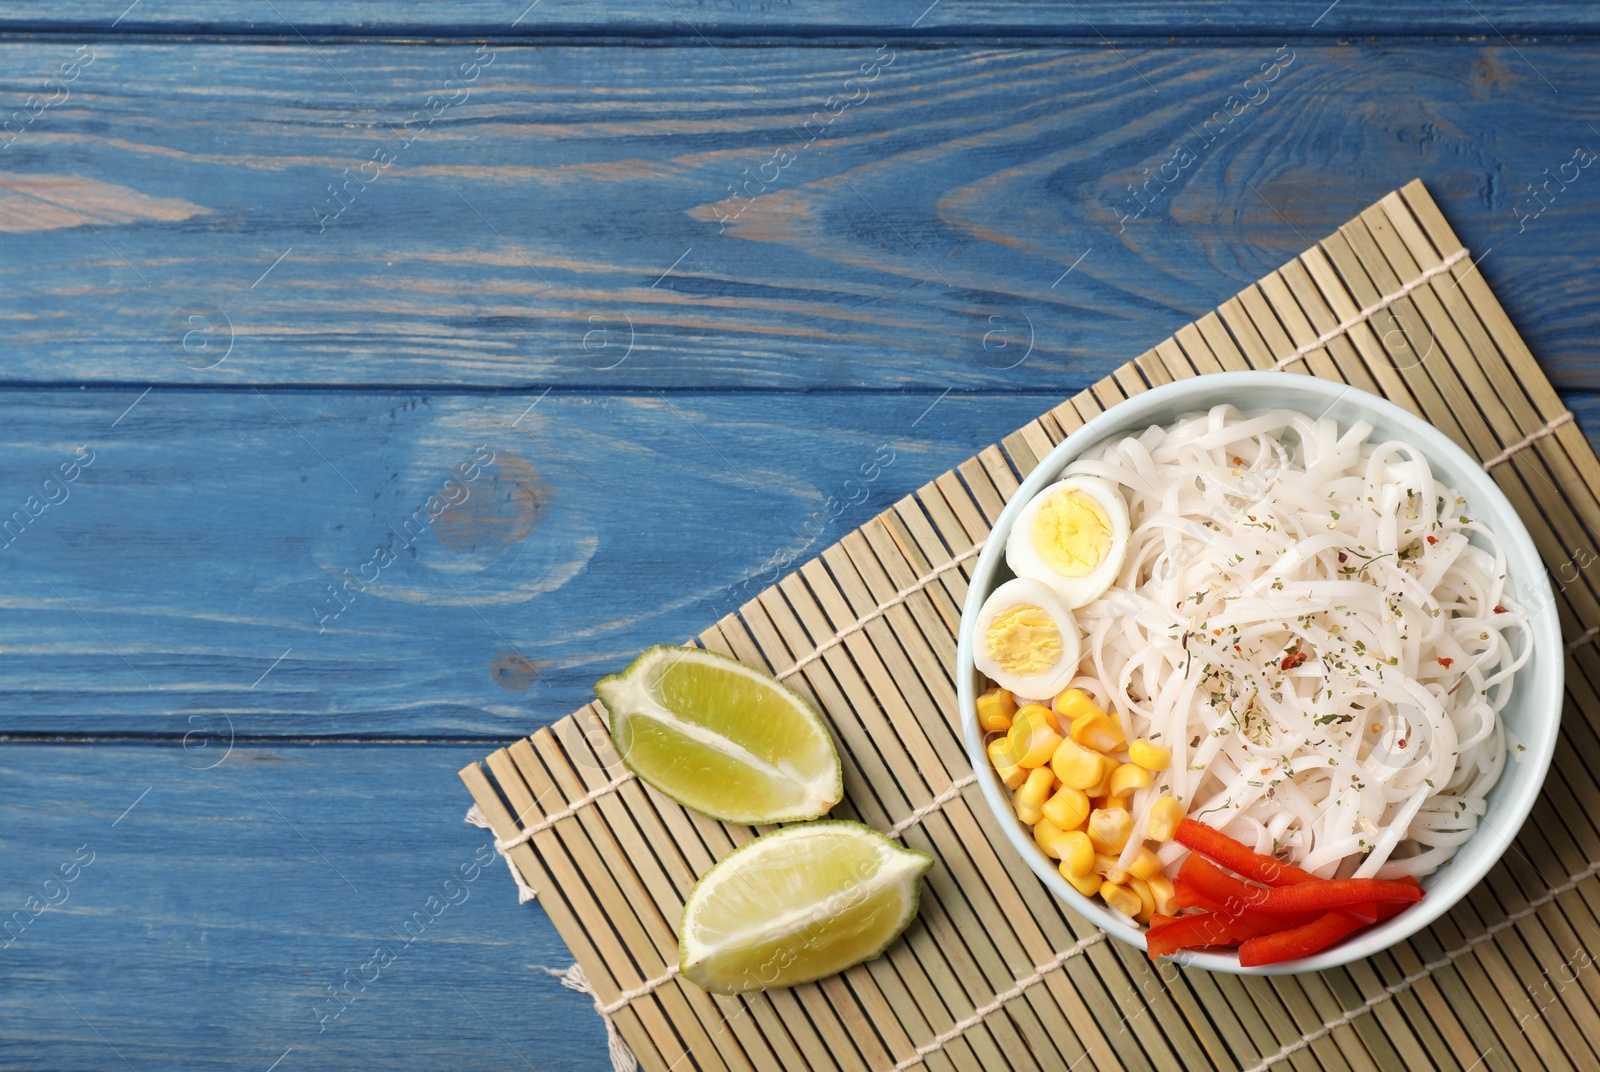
[1025, 560]
[1045, 684]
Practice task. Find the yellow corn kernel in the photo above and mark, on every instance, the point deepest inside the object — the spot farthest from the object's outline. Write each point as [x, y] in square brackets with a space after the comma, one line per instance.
[1088, 885]
[1040, 711]
[1030, 797]
[1109, 829]
[1121, 898]
[995, 709]
[1145, 866]
[1068, 808]
[1045, 835]
[1076, 765]
[1161, 890]
[1109, 801]
[1011, 774]
[1077, 854]
[1128, 777]
[1074, 702]
[1152, 757]
[1031, 742]
[1165, 815]
[1102, 788]
[1095, 730]
[1147, 901]
[1106, 867]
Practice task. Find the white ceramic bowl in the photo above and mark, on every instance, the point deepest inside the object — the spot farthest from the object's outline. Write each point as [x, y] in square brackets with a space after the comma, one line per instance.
[1533, 713]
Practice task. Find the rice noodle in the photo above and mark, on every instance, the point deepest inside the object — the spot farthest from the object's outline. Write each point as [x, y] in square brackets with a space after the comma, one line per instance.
[1303, 621]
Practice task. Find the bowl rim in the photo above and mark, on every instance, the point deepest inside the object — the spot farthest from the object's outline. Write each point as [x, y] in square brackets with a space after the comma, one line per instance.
[1291, 391]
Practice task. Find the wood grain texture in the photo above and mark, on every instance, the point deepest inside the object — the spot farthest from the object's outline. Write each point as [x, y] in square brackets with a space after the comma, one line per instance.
[1089, 18]
[220, 907]
[212, 533]
[558, 226]
[207, 536]
[570, 219]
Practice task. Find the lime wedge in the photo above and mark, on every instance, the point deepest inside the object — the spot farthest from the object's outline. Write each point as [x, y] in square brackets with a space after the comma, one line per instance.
[798, 904]
[717, 736]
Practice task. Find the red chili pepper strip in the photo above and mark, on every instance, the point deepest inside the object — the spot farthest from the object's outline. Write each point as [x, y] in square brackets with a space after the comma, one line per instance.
[1375, 911]
[1197, 932]
[1351, 894]
[1217, 891]
[1159, 920]
[1215, 884]
[1331, 893]
[1185, 894]
[1204, 880]
[1297, 942]
[1382, 910]
[1228, 852]
[1367, 911]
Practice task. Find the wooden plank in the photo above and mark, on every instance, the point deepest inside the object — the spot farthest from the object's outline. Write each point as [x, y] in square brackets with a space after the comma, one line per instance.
[201, 542]
[570, 222]
[223, 903]
[726, 24]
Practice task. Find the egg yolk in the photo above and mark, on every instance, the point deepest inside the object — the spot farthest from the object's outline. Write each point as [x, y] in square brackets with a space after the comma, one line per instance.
[1072, 533]
[1023, 640]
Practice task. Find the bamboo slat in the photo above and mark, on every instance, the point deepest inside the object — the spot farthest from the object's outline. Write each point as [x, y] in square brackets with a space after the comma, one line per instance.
[996, 973]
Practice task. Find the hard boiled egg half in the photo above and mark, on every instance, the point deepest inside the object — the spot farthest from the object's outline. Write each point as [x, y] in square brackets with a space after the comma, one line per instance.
[1025, 640]
[1073, 536]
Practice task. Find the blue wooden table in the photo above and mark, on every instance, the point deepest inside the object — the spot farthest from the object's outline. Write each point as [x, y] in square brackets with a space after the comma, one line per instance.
[378, 376]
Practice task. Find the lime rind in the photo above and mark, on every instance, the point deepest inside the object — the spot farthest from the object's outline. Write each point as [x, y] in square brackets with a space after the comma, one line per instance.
[907, 868]
[617, 690]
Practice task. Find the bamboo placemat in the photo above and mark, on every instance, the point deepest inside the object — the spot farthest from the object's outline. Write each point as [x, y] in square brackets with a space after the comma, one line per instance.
[996, 973]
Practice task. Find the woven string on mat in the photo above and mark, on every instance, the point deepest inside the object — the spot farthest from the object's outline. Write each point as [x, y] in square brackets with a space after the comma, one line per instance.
[624, 1061]
[1366, 314]
[622, 1058]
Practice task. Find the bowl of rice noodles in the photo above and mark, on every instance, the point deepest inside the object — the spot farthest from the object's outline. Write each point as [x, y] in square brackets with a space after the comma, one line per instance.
[1331, 616]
